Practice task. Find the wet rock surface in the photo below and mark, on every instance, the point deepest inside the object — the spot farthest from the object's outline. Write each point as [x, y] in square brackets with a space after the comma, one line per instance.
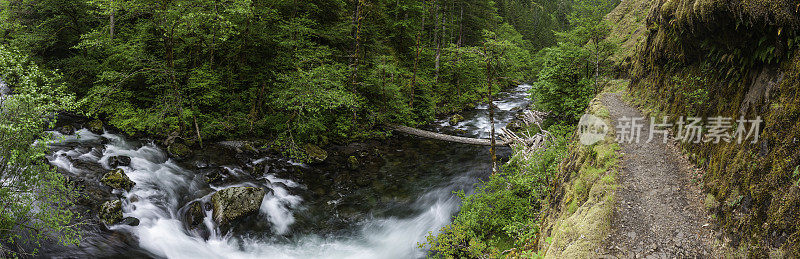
[116, 161]
[130, 221]
[235, 202]
[95, 126]
[315, 153]
[117, 179]
[111, 212]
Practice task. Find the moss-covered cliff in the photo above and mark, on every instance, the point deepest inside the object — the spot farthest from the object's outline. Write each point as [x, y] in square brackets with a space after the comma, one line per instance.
[733, 58]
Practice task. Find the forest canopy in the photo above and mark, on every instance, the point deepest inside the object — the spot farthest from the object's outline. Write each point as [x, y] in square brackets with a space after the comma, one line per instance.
[289, 71]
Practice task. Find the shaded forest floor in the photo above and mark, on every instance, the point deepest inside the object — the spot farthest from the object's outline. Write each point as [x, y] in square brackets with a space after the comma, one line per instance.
[659, 211]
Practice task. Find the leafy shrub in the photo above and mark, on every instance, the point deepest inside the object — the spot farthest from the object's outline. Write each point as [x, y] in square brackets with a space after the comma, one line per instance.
[35, 198]
[502, 213]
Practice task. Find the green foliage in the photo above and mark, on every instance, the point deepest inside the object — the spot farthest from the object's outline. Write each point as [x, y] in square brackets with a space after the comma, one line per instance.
[292, 72]
[564, 86]
[36, 199]
[694, 92]
[570, 72]
[502, 214]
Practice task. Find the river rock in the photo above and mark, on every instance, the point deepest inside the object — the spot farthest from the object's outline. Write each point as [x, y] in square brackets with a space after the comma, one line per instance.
[118, 180]
[352, 162]
[179, 151]
[455, 119]
[315, 153]
[67, 130]
[235, 202]
[193, 219]
[195, 214]
[214, 175]
[111, 212]
[130, 221]
[95, 126]
[116, 161]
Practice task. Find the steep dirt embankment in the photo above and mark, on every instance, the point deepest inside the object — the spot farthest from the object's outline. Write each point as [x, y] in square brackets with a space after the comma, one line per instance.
[733, 58]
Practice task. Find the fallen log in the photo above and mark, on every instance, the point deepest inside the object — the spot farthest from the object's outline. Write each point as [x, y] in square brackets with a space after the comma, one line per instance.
[444, 137]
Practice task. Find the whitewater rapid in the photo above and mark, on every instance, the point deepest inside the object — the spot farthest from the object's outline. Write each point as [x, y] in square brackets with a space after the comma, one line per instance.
[156, 200]
[163, 189]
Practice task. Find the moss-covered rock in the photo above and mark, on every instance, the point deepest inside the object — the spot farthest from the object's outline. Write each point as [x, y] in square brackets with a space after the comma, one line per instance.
[235, 202]
[315, 153]
[117, 179]
[111, 212]
[179, 151]
[352, 162]
[95, 126]
[455, 119]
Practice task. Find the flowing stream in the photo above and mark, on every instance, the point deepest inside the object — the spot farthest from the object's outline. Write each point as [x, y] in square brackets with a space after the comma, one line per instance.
[401, 190]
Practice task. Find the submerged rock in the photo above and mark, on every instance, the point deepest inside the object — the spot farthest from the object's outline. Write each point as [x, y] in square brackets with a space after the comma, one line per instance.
[455, 119]
[118, 180]
[95, 126]
[235, 202]
[315, 153]
[111, 212]
[116, 161]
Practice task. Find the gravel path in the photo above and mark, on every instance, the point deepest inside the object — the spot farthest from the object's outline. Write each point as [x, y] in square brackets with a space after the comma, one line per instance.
[659, 213]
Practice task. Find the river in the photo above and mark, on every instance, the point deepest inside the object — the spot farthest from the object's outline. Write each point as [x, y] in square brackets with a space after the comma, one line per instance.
[400, 190]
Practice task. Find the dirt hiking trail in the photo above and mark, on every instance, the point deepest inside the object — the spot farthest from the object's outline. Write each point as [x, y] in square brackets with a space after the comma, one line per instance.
[659, 211]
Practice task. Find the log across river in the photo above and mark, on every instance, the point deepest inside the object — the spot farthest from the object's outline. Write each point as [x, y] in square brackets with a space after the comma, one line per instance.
[444, 137]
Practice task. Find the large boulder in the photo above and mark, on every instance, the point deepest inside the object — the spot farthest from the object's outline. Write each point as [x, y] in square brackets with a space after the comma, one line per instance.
[111, 212]
[235, 202]
[116, 161]
[117, 179]
[315, 153]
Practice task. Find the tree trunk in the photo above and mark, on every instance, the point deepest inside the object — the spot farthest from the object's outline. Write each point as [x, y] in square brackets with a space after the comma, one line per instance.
[491, 106]
[111, 24]
[416, 57]
[357, 21]
[438, 43]
[443, 137]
